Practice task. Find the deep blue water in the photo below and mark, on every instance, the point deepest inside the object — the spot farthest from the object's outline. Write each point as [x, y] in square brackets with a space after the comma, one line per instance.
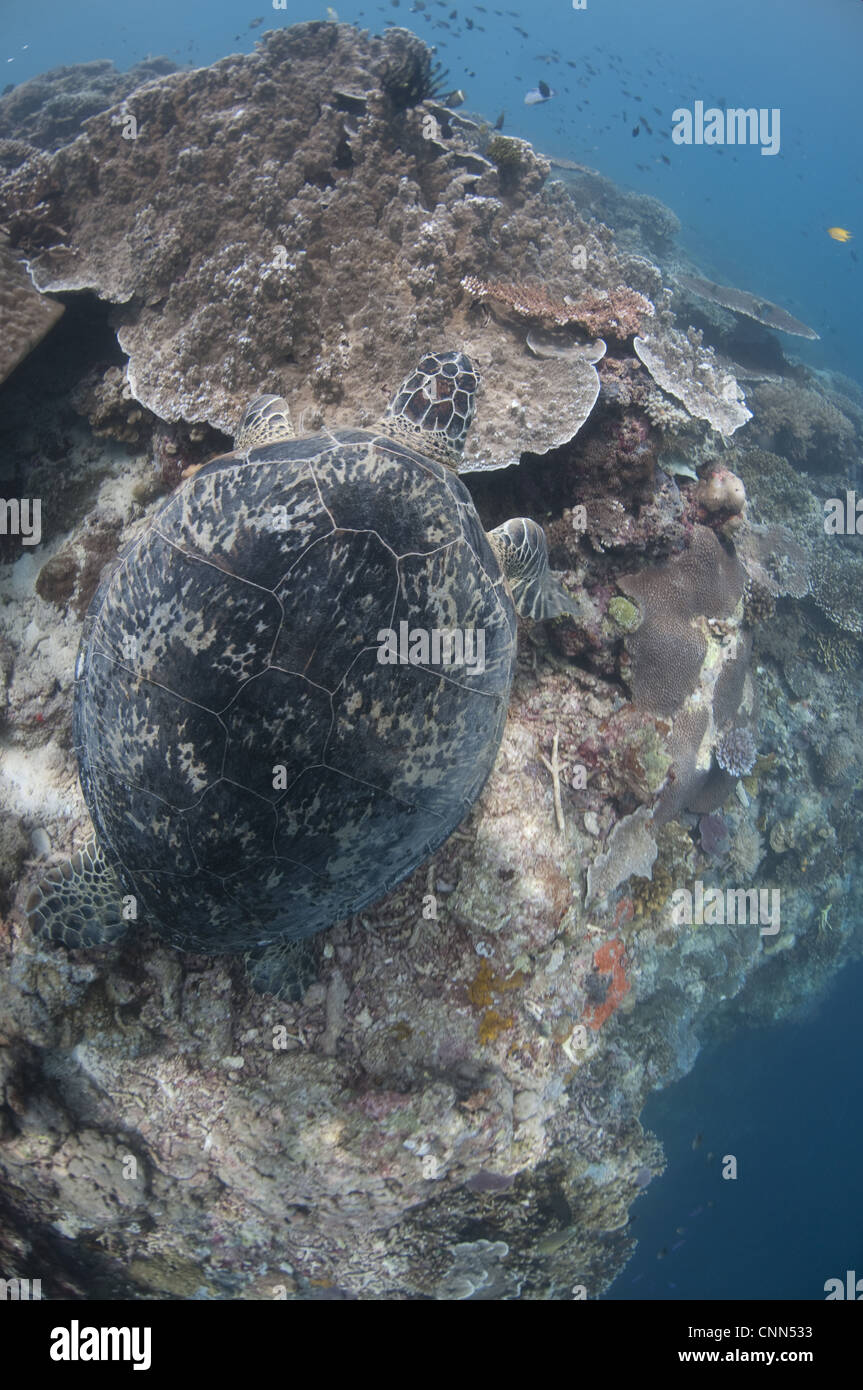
[785, 1101]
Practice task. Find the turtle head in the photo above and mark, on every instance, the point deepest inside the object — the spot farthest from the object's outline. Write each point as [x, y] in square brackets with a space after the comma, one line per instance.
[265, 420]
[434, 406]
[522, 554]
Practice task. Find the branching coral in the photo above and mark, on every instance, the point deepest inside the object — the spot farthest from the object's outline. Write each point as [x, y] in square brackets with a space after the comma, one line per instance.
[617, 313]
[736, 752]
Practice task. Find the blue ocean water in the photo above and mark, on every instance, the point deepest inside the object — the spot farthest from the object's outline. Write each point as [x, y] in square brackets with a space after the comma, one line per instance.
[784, 1101]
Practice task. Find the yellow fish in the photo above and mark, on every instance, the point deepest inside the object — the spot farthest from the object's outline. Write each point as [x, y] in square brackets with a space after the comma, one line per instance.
[839, 234]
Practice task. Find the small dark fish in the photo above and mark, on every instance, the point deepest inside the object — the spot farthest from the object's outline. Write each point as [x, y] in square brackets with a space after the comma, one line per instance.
[853, 255]
[498, 125]
[646, 126]
[661, 1254]
[636, 129]
[468, 22]
[256, 23]
[677, 1244]
[544, 89]
[665, 159]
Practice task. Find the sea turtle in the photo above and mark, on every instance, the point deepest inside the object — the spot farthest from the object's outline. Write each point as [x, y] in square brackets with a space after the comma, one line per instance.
[292, 686]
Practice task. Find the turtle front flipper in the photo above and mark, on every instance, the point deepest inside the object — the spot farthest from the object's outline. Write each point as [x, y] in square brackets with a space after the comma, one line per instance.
[266, 420]
[79, 902]
[522, 554]
[286, 969]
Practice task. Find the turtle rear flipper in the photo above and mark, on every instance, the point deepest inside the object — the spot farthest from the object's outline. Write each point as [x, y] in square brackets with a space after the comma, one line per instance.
[79, 902]
[522, 554]
[286, 969]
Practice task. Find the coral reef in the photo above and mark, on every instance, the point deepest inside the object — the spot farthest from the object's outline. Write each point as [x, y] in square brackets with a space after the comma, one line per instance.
[681, 365]
[50, 110]
[608, 960]
[801, 423]
[837, 585]
[640, 221]
[105, 398]
[210, 218]
[451, 1110]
